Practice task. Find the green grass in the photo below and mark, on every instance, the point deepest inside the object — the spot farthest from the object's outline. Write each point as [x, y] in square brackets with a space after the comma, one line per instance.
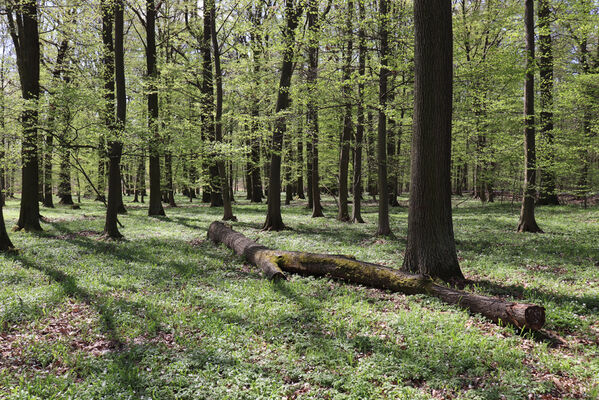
[166, 314]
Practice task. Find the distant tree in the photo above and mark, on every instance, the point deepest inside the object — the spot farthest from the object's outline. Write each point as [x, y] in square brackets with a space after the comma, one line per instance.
[431, 246]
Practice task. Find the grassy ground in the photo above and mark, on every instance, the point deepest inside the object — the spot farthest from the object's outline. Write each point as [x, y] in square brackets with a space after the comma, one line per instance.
[166, 314]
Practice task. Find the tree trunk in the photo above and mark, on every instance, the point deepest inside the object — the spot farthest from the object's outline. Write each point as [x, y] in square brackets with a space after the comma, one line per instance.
[49, 147]
[357, 181]
[343, 213]
[218, 124]
[383, 215]
[528, 222]
[155, 203]
[547, 190]
[208, 124]
[57, 73]
[115, 147]
[25, 36]
[312, 113]
[300, 167]
[274, 220]
[5, 243]
[431, 247]
[274, 262]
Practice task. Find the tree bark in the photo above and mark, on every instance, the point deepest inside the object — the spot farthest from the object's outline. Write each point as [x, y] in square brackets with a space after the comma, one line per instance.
[312, 113]
[155, 203]
[300, 167]
[357, 181]
[274, 220]
[115, 146]
[343, 212]
[218, 124]
[383, 215]
[24, 32]
[528, 222]
[208, 124]
[431, 247]
[274, 262]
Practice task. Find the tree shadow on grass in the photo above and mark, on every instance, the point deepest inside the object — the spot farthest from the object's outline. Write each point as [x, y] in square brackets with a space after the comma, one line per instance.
[122, 355]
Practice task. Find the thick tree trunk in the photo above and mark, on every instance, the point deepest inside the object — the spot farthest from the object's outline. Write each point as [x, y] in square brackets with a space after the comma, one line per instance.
[155, 203]
[115, 199]
[431, 247]
[528, 222]
[25, 35]
[274, 220]
[383, 216]
[208, 123]
[274, 262]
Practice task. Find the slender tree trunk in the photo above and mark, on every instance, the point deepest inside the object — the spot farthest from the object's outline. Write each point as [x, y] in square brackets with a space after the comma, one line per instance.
[64, 185]
[309, 158]
[383, 217]
[312, 113]
[287, 168]
[57, 73]
[357, 181]
[431, 247]
[392, 156]
[155, 203]
[371, 156]
[227, 193]
[528, 222]
[24, 32]
[583, 183]
[274, 220]
[5, 243]
[300, 166]
[49, 147]
[343, 212]
[115, 146]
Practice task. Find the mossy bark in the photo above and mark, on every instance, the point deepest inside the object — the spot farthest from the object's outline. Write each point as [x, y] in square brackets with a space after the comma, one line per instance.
[347, 268]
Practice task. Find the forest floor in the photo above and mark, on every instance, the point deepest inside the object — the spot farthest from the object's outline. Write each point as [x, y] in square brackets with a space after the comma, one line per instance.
[166, 314]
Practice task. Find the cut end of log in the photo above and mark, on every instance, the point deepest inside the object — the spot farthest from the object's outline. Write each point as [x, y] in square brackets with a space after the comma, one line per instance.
[535, 317]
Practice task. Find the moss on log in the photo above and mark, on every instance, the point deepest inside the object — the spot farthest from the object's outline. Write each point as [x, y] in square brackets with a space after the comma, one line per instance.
[274, 262]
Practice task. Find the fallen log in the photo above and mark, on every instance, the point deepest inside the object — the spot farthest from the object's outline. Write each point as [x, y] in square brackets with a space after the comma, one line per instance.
[274, 262]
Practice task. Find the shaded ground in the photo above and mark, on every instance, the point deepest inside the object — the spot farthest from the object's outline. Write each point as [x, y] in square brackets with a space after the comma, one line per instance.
[165, 314]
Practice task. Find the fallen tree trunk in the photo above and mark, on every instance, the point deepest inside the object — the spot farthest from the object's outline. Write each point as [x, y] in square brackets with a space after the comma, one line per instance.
[274, 262]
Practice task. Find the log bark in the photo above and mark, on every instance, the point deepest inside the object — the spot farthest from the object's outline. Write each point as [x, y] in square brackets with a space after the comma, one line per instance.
[347, 268]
